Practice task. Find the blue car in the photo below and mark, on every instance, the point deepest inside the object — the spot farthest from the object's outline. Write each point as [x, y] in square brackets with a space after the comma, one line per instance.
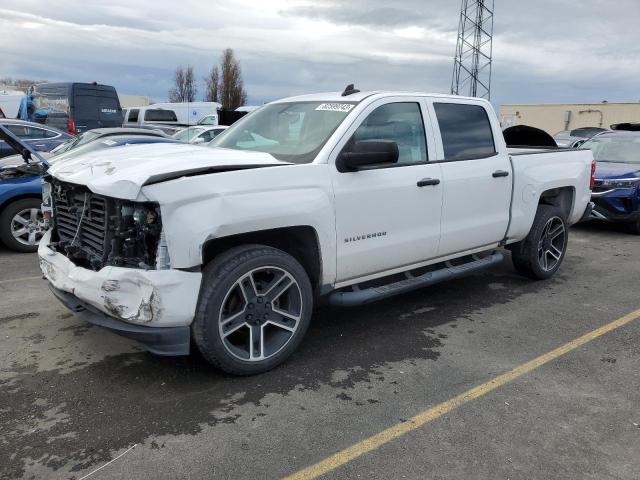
[616, 193]
[21, 221]
[39, 137]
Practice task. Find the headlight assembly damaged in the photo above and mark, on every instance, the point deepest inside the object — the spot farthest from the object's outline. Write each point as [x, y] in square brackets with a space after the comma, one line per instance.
[94, 231]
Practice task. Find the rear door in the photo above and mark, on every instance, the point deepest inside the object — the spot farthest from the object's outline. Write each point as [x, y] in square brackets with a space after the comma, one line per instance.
[476, 174]
[388, 217]
[95, 106]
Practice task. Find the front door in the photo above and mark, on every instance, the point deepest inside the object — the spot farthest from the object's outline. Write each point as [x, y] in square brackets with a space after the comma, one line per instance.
[388, 217]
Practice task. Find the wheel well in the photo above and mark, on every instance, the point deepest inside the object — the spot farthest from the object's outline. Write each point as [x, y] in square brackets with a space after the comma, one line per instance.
[562, 197]
[301, 242]
[9, 201]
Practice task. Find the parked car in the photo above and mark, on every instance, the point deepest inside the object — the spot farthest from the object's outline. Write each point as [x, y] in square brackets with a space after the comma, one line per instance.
[21, 220]
[37, 136]
[211, 119]
[76, 107]
[575, 137]
[616, 193]
[107, 141]
[91, 135]
[199, 134]
[349, 196]
[179, 114]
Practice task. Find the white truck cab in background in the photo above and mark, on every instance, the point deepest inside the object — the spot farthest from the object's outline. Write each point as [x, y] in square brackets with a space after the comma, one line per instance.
[181, 114]
[349, 196]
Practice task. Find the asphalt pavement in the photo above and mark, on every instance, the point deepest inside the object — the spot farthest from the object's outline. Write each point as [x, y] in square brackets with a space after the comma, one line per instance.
[76, 400]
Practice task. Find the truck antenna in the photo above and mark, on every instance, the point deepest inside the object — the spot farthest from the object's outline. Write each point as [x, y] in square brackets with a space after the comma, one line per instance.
[349, 90]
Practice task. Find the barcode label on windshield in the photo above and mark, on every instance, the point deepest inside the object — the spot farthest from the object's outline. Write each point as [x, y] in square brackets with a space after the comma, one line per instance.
[335, 107]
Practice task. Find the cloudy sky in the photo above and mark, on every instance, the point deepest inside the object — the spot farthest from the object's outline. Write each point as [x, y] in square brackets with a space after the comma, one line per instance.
[544, 51]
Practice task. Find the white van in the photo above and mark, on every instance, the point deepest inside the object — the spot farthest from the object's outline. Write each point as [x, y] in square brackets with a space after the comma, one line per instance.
[10, 103]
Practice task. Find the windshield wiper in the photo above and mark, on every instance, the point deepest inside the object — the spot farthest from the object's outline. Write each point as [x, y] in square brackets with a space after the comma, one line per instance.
[22, 148]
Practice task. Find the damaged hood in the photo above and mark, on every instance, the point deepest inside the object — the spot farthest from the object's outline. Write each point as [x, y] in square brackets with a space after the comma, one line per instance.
[121, 172]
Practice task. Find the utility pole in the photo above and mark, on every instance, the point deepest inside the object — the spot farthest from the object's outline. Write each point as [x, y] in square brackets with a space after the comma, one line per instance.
[472, 63]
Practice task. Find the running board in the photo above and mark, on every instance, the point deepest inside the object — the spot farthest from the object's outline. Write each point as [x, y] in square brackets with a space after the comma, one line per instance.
[361, 296]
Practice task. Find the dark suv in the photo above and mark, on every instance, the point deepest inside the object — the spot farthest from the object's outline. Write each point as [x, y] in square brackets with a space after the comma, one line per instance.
[616, 193]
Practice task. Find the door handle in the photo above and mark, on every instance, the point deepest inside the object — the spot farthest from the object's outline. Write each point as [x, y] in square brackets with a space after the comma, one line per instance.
[500, 173]
[428, 181]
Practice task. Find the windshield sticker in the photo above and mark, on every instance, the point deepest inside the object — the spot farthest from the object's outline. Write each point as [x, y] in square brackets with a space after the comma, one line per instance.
[335, 107]
[110, 143]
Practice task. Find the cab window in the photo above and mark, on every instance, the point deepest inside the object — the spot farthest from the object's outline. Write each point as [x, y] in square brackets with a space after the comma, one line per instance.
[401, 123]
[465, 130]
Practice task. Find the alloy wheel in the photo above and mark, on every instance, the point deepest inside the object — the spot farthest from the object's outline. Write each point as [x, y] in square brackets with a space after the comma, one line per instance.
[27, 226]
[260, 313]
[552, 244]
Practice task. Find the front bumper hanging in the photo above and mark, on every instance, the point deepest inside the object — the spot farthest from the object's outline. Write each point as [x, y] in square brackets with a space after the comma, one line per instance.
[159, 340]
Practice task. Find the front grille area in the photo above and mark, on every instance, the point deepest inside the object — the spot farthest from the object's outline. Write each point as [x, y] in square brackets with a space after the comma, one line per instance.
[94, 230]
[81, 219]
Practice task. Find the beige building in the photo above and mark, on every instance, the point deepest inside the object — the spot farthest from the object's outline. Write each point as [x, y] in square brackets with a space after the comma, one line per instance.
[555, 117]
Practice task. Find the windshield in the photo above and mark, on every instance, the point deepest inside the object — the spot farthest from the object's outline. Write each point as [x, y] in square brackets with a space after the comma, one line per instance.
[208, 120]
[81, 139]
[586, 132]
[188, 134]
[624, 149]
[293, 132]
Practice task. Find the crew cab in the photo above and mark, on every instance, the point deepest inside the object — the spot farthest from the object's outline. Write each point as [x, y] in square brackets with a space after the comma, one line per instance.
[348, 197]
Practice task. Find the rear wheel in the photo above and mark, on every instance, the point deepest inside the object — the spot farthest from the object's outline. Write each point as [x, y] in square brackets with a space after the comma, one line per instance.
[254, 308]
[540, 254]
[22, 225]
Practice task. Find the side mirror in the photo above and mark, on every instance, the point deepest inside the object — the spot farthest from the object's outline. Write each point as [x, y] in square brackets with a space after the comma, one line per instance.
[365, 153]
[578, 144]
[198, 140]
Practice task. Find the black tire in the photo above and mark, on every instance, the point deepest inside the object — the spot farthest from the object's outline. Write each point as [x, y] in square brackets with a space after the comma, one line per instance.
[222, 279]
[7, 218]
[526, 255]
[634, 227]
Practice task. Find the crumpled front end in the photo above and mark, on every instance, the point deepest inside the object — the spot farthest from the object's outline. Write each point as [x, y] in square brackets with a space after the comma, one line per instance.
[155, 298]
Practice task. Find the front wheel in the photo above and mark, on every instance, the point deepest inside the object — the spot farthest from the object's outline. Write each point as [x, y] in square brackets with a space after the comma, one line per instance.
[540, 254]
[22, 225]
[254, 308]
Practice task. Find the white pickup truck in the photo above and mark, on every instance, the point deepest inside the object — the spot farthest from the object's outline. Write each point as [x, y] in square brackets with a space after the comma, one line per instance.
[349, 197]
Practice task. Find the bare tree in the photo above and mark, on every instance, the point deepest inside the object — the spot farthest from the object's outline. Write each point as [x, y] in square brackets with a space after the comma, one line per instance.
[211, 85]
[184, 85]
[231, 88]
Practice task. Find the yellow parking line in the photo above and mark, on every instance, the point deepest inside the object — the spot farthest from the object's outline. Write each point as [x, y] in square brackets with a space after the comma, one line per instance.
[23, 279]
[371, 443]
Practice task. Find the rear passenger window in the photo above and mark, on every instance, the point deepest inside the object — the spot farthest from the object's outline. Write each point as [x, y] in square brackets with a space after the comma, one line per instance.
[49, 133]
[398, 122]
[26, 132]
[466, 131]
[133, 115]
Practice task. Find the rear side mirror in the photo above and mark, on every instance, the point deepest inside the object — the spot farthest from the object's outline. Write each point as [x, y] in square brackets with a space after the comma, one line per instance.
[367, 153]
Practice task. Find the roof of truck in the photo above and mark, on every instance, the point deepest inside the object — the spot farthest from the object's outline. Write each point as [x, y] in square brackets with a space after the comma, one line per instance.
[359, 96]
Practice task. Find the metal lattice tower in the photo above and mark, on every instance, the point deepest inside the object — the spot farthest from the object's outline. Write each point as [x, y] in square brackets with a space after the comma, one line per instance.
[472, 63]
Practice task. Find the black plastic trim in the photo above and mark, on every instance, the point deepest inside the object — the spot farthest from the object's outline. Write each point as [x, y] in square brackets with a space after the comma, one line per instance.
[170, 341]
